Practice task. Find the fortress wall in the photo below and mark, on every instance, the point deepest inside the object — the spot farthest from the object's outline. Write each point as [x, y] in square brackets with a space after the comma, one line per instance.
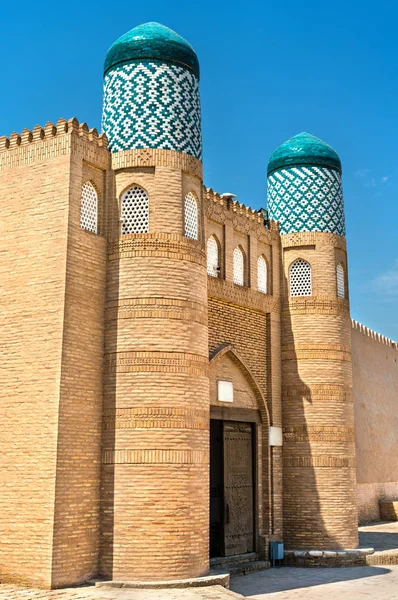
[375, 375]
[34, 182]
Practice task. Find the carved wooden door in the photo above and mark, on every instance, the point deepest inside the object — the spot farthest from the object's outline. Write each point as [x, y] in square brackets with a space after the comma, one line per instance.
[238, 488]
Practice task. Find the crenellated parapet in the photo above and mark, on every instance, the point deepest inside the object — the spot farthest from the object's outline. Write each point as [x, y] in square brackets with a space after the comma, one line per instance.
[50, 141]
[373, 334]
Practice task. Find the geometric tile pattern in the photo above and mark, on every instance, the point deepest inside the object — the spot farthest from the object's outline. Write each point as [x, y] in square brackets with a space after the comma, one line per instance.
[340, 281]
[212, 256]
[307, 199]
[191, 216]
[89, 208]
[238, 267]
[300, 279]
[262, 274]
[134, 211]
[152, 104]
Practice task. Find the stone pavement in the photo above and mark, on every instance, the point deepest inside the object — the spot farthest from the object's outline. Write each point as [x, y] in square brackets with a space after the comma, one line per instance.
[380, 536]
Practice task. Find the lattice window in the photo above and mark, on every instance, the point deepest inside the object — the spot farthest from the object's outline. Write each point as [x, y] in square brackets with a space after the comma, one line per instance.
[239, 266]
[191, 216]
[135, 211]
[262, 274]
[340, 281]
[300, 278]
[89, 208]
[213, 267]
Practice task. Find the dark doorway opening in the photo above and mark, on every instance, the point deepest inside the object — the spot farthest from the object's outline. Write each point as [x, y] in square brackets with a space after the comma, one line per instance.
[231, 488]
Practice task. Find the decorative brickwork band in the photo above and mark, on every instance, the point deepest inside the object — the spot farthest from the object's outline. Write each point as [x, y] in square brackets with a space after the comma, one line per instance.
[316, 352]
[318, 392]
[241, 296]
[157, 157]
[155, 457]
[315, 306]
[333, 462]
[313, 238]
[157, 308]
[160, 245]
[154, 362]
[318, 433]
[155, 417]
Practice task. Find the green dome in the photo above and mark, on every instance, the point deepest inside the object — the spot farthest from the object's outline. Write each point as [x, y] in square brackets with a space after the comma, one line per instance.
[304, 149]
[152, 40]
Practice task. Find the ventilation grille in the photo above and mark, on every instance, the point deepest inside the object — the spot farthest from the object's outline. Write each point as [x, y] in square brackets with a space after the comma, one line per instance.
[89, 208]
[262, 275]
[340, 282]
[212, 257]
[191, 217]
[239, 274]
[135, 211]
[300, 278]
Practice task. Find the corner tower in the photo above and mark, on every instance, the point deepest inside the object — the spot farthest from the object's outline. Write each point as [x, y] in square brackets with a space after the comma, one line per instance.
[155, 476]
[305, 196]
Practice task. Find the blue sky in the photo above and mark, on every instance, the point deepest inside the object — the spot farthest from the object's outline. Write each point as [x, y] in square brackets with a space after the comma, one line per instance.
[269, 70]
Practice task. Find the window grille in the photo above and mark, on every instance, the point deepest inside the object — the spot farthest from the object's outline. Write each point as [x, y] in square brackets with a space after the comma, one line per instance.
[262, 274]
[135, 211]
[89, 208]
[239, 269]
[300, 278]
[340, 281]
[191, 216]
[212, 257]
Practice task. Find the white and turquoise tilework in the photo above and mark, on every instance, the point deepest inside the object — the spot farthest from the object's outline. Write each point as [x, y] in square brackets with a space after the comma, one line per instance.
[306, 199]
[152, 104]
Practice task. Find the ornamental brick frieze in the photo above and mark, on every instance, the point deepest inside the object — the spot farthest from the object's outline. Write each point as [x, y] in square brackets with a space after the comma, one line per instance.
[324, 461]
[155, 456]
[313, 238]
[157, 157]
[153, 362]
[158, 308]
[318, 433]
[316, 351]
[155, 417]
[160, 245]
[317, 392]
[241, 296]
[315, 306]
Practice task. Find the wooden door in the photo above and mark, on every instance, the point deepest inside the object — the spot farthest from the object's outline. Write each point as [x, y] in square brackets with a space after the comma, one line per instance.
[238, 488]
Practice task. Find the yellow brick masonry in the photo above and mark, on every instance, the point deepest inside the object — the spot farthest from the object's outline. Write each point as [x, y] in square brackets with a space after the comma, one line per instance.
[50, 381]
[319, 452]
[155, 489]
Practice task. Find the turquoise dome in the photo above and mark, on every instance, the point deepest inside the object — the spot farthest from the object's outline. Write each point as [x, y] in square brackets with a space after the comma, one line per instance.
[152, 41]
[304, 149]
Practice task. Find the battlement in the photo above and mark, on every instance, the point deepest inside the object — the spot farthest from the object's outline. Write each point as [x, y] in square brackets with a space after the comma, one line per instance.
[51, 130]
[240, 209]
[373, 334]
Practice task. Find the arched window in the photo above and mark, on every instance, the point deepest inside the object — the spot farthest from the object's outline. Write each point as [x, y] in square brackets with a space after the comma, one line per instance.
[191, 216]
[134, 211]
[89, 208]
[239, 266]
[340, 281]
[262, 274]
[213, 260]
[300, 278]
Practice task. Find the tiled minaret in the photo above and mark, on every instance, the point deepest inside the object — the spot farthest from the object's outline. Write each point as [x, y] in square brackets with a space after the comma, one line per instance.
[305, 196]
[155, 483]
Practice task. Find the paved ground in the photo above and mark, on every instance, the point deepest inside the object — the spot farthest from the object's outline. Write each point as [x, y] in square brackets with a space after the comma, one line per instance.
[287, 583]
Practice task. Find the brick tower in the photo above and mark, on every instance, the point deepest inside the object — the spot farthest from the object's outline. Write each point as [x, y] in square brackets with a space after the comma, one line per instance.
[155, 479]
[305, 196]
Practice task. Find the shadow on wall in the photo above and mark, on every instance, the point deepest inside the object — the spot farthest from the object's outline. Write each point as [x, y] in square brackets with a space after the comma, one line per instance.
[292, 578]
[303, 506]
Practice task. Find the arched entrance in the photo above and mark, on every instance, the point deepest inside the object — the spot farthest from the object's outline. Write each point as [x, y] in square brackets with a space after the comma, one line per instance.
[239, 457]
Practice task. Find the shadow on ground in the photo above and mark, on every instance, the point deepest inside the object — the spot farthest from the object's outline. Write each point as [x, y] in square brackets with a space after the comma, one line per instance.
[379, 540]
[293, 578]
